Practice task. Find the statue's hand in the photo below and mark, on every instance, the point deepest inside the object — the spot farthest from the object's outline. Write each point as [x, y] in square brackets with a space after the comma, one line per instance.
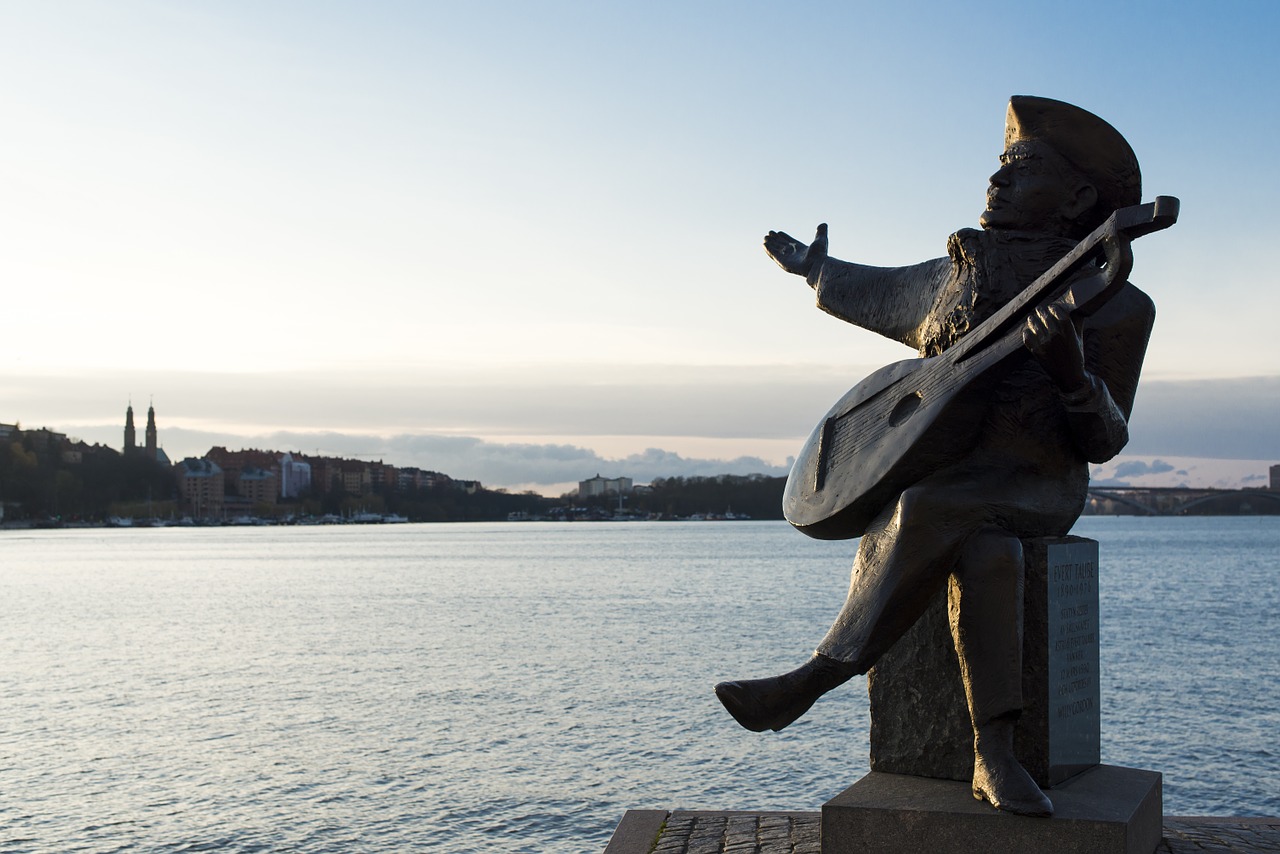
[792, 255]
[1052, 337]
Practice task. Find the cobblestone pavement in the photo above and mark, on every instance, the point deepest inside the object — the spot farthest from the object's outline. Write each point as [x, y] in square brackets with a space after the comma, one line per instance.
[740, 833]
[689, 832]
[1194, 835]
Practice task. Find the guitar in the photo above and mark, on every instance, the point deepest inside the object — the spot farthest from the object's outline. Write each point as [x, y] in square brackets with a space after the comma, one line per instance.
[911, 418]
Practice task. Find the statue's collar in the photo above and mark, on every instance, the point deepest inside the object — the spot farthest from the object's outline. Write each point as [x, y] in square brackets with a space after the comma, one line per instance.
[967, 245]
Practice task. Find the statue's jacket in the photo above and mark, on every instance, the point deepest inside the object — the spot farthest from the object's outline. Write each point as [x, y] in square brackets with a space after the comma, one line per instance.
[1035, 443]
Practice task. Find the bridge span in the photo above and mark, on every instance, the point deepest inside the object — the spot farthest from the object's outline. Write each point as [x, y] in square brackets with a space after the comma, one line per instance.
[1180, 501]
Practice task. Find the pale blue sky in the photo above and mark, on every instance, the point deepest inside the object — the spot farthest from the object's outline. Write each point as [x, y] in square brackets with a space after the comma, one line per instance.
[540, 223]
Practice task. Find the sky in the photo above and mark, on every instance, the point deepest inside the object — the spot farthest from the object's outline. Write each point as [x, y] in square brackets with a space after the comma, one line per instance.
[520, 242]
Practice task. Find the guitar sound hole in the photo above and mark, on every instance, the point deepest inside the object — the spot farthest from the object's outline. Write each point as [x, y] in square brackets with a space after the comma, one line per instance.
[904, 409]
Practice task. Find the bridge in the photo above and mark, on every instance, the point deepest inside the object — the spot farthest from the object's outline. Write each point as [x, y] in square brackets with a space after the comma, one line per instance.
[1180, 501]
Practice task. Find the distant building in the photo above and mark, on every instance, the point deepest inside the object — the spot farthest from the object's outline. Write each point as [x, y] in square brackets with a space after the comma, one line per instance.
[604, 486]
[151, 449]
[357, 479]
[151, 446]
[73, 452]
[202, 486]
[295, 476]
[235, 464]
[130, 435]
[1275, 478]
[326, 473]
[44, 439]
[258, 486]
[385, 477]
[411, 478]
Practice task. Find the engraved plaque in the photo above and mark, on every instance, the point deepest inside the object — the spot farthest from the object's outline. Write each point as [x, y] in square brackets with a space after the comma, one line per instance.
[1074, 716]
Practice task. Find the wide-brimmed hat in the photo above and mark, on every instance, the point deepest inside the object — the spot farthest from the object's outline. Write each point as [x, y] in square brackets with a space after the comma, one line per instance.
[1093, 147]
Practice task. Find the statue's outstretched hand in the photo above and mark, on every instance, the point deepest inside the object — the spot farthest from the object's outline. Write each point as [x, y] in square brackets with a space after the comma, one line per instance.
[792, 255]
[1052, 337]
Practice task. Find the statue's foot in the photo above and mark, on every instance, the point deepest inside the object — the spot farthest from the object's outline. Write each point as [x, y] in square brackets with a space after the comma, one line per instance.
[761, 704]
[998, 777]
[778, 701]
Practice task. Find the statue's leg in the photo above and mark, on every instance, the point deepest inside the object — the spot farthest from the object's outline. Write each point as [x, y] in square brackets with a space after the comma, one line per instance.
[984, 603]
[903, 558]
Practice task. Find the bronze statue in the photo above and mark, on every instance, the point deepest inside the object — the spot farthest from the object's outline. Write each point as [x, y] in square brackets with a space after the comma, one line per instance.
[1008, 455]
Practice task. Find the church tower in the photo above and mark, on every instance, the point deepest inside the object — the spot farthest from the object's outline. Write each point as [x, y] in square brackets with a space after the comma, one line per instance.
[151, 432]
[130, 435]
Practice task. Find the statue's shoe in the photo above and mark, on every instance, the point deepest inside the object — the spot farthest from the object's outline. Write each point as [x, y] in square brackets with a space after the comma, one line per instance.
[761, 704]
[776, 702]
[1007, 786]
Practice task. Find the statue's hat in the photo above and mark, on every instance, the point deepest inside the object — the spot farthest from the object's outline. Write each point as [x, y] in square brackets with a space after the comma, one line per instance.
[1093, 147]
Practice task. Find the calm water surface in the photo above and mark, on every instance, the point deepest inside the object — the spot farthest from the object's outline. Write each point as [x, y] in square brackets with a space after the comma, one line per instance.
[516, 687]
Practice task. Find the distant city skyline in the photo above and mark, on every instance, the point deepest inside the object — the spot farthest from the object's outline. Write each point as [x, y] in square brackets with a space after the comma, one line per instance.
[552, 468]
[527, 238]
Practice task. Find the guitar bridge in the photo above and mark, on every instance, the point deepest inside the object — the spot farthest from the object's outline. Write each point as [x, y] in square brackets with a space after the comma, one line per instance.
[822, 462]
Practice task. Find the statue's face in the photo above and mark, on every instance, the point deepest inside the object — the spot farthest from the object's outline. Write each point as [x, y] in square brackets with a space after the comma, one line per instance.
[1030, 191]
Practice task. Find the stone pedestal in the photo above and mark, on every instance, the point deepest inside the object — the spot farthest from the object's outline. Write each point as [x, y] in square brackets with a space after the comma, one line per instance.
[1105, 810]
[919, 719]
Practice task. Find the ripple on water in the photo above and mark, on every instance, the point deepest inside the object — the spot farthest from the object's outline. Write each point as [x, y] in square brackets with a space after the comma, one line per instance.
[517, 687]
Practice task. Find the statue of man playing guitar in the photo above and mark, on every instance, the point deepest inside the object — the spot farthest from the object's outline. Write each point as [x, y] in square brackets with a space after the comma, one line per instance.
[1024, 474]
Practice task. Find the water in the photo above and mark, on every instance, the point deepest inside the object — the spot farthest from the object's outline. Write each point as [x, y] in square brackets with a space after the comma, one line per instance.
[516, 687]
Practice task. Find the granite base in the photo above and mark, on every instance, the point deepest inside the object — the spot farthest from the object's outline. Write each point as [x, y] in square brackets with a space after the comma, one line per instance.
[1106, 810]
[919, 719]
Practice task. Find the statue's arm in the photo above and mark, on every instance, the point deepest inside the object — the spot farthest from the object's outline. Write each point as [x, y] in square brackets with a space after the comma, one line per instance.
[893, 301]
[1098, 392]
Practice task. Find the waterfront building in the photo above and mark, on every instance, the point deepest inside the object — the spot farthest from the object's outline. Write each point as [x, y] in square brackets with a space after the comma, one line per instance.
[604, 486]
[326, 474]
[384, 476]
[235, 464]
[412, 478]
[44, 438]
[409, 478]
[1275, 478]
[356, 477]
[295, 476]
[201, 485]
[257, 486]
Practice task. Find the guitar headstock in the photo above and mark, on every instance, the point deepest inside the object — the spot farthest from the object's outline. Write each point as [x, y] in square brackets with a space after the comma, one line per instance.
[1133, 222]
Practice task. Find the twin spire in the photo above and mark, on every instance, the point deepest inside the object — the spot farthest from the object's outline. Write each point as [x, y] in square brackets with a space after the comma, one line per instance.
[131, 435]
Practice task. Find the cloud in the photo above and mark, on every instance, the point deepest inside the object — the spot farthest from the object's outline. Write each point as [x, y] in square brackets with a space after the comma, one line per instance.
[1227, 418]
[491, 463]
[1138, 468]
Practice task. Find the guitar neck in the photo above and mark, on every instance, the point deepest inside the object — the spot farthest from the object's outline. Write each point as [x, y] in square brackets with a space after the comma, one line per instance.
[1109, 242]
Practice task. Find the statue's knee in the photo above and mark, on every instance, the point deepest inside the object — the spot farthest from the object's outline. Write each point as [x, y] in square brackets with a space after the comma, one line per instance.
[991, 552]
[917, 504]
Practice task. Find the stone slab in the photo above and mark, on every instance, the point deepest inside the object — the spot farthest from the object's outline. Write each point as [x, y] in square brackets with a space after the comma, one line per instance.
[919, 720]
[1182, 834]
[1106, 810]
[638, 831]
